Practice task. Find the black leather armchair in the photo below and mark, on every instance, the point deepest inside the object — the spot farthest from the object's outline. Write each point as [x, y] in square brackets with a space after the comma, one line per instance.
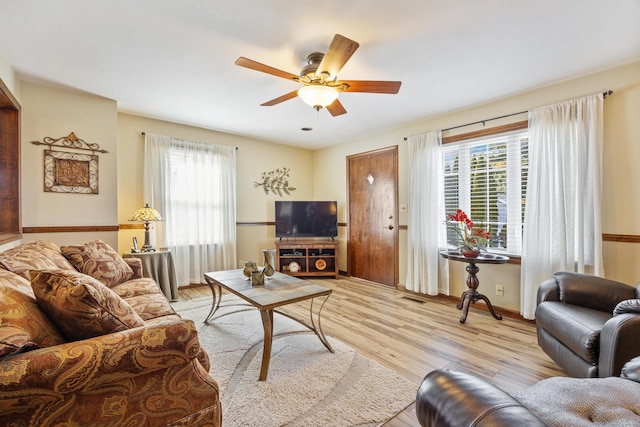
[577, 327]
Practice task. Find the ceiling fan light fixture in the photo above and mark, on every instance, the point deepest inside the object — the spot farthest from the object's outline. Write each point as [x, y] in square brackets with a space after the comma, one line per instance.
[318, 96]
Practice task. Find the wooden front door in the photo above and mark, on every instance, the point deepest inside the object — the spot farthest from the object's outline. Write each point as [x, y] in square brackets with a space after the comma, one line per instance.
[372, 245]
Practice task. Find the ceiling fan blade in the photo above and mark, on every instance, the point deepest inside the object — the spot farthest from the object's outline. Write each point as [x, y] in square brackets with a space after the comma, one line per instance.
[336, 108]
[254, 65]
[371, 86]
[337, 55]
[280, 99]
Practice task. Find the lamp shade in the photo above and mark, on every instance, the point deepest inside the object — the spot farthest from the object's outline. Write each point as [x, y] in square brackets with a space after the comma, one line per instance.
[318, 96]
[146, 214]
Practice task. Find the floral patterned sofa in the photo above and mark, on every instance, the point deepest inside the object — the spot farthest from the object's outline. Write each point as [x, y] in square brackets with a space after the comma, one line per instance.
[86, 340]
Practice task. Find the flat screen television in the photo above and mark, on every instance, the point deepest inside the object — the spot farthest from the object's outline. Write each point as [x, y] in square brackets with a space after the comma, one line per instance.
[306, 219]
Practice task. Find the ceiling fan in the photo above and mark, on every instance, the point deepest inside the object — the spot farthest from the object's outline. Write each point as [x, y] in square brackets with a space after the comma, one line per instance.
[319, 77]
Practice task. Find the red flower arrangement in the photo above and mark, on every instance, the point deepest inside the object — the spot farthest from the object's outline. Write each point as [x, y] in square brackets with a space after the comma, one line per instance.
[469, 236]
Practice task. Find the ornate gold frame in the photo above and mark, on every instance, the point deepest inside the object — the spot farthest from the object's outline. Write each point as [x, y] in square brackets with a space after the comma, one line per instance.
[68, 171]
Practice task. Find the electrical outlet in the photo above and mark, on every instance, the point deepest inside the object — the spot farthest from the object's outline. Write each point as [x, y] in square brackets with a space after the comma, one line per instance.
[241, 263]
[500, 290]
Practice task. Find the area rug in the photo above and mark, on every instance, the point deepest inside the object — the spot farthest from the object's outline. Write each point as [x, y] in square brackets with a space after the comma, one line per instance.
[306, 385]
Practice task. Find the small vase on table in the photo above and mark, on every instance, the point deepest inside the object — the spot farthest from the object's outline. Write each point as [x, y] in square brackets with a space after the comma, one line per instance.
[269, 261]
[249, 267]
[470, 252]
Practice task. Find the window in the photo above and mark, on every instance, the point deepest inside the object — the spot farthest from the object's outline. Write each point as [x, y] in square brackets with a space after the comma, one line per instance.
[487, 178]
[195, 195]
[193, 185]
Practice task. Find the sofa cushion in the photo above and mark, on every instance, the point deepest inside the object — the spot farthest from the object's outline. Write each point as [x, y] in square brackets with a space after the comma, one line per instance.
[23, 325]
[100, 261]
[146, 298]
[576, 327]
[36, 255]
[81, 306]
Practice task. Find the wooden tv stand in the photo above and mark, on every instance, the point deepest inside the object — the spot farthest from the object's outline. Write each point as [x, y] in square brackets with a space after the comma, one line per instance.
[314, 257]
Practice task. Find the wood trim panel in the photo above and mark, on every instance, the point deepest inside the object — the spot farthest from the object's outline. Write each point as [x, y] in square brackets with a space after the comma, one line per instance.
[10, 154]
[132, 226]
[135, 226]
[631, 238]
[628, 238]
[485, 132]
[70, 229]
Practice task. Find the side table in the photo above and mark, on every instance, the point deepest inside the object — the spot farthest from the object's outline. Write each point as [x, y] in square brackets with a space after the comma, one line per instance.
[158, 266]
[471, 295]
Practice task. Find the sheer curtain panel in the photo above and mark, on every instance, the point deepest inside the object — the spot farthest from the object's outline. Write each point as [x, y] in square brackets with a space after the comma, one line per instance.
[562, 227]
[427, 271]
[193, 185]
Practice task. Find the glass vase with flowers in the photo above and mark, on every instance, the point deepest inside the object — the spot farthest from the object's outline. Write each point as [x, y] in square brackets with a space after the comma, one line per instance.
[471, 238]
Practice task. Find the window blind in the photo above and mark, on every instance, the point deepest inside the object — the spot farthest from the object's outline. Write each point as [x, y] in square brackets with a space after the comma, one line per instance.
[487, 178]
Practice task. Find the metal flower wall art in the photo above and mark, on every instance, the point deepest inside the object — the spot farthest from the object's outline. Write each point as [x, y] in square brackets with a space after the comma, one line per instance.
[276, 182]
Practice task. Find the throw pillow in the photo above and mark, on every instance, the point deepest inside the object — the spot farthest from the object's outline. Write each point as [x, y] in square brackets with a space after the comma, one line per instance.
[15, 340]
[36, 255]
[627, 306]
[100, 261]
[81, 306]
[23, 324]
[631, 370]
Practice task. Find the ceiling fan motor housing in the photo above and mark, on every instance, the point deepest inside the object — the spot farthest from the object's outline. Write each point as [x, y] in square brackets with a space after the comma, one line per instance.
[308, 72]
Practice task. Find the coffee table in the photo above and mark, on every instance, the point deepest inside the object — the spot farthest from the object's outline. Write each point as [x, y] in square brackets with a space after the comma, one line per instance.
[279, 290]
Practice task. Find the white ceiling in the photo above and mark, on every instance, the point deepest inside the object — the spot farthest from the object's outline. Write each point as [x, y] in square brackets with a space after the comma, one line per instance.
[174, 59]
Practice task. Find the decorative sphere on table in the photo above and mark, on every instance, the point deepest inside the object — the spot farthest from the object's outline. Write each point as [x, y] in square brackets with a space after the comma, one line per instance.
[249, 267]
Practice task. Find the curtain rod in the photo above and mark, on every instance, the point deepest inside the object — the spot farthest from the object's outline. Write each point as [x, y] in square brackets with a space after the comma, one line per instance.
[604, 94]
[143, 133]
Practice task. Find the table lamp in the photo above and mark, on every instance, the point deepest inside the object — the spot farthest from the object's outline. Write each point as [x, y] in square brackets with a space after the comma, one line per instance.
[146, 215]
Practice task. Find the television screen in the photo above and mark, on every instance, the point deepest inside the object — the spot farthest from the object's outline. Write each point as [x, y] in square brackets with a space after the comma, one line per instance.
[306, 219]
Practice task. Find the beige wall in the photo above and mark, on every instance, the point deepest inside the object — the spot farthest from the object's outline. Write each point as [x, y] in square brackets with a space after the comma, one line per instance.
[55, 112]
[253, 158]
[621, 204]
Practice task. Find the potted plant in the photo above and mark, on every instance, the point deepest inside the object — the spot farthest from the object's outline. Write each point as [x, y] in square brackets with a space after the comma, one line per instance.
[471, 239]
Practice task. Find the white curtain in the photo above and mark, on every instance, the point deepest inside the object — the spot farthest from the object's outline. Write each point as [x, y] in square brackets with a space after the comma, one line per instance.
[193, 186]
[427, 271]
[562, 228]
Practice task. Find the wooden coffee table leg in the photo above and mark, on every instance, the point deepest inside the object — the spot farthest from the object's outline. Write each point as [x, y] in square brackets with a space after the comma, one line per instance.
[317, 328]
[216, 293]
[267, 325]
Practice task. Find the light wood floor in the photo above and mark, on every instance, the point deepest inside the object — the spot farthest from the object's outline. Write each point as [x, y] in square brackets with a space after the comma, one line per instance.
[414, 334]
